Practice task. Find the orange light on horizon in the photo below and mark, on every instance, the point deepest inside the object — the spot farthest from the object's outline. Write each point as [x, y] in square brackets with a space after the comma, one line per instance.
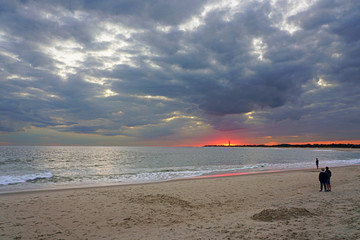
[272, 143]
[223, 142]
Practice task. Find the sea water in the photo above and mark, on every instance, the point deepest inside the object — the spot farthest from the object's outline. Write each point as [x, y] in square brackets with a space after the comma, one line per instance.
[41, 167]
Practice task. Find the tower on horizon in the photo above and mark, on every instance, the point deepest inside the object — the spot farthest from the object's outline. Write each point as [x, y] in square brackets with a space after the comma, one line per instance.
[229, 143]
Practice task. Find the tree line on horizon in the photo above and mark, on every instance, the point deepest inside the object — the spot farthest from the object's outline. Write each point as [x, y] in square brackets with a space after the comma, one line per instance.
[332, 145]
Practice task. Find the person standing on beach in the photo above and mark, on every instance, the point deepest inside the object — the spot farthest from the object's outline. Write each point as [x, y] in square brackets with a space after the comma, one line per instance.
[317, 163]
[328, 176]
[322, 179]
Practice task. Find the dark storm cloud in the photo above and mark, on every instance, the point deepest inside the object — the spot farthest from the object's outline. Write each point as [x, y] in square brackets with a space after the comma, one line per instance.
[232, 89]
[106, 66]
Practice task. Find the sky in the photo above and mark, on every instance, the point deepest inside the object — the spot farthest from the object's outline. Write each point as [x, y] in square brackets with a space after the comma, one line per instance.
[179, 73]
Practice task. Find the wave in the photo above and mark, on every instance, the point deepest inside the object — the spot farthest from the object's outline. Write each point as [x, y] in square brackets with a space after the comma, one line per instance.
[15, 179]
[180, 173]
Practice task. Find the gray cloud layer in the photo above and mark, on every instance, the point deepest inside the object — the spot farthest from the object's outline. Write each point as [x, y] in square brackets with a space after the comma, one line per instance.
[151, 68]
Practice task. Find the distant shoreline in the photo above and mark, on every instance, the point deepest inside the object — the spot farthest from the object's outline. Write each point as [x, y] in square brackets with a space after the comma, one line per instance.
[333, 145]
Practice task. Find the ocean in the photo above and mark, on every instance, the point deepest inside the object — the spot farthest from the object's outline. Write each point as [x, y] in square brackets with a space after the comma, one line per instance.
[24, 168]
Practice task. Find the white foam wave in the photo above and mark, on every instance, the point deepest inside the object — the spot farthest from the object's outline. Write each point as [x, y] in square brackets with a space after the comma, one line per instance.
[170, 174]
[161, 176]
[13, 179]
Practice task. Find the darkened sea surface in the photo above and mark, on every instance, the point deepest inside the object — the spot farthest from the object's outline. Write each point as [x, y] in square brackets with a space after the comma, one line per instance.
[25, 168]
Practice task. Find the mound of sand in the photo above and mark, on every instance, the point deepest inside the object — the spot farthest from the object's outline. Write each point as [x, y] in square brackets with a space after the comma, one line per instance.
[268, 215]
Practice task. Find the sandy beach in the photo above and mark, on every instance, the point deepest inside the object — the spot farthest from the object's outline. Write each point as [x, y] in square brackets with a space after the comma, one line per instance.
[277, 205]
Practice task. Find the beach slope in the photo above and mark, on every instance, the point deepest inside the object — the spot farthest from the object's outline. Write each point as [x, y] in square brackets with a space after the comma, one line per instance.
[278, 205]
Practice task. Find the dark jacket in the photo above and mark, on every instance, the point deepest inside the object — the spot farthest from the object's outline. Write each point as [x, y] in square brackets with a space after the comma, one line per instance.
[322, 177]
[328, 174]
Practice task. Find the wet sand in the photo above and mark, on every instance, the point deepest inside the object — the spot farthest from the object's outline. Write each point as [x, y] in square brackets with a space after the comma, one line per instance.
[278, 205]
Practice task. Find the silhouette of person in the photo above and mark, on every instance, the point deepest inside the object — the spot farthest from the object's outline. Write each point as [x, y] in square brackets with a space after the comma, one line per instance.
[322, 179]
[328, 176]
[317, 163]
